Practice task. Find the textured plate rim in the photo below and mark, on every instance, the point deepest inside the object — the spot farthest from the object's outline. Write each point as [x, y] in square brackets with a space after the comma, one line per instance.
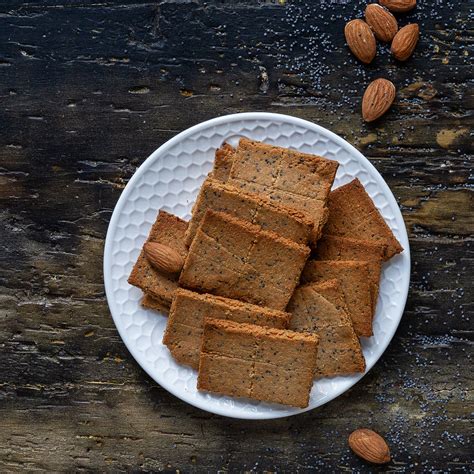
[267, 116]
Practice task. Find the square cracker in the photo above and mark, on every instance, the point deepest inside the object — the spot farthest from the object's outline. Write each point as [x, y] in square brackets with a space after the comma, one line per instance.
[186, 321]
[333, 247]
[354, 282]
[223, 163]
[168, 230]
[353, 214]
[320, 308]
[288, 223]
[236, 259]
[149, 302]
[245, 360]
[294, 179]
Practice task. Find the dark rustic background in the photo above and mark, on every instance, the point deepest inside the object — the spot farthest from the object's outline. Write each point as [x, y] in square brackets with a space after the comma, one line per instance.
[87, 91]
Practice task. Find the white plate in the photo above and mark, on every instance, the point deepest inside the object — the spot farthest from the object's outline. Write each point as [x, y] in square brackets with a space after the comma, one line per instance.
[170, 179]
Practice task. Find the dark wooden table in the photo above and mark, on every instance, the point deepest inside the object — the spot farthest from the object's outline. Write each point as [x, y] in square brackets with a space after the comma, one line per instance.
[88, 90]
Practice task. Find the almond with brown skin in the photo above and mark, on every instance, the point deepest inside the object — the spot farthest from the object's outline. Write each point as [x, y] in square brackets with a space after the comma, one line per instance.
[383, 23]
[404, 42]
[360, 40]
[163, 258]
[378, 97]
[399, 6]
[370, 446]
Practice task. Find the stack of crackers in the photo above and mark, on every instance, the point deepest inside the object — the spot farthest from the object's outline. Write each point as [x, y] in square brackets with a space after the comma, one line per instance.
[280, 276]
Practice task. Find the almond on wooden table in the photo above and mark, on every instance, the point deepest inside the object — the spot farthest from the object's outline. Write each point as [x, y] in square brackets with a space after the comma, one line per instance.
[378, 97]
[383, 23]
[404, 42]
[370, 446]
[163, 258]
[360, 40]
[398, 6]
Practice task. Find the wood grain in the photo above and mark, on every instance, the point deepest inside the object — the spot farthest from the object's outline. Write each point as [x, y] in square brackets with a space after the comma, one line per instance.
[88, 91]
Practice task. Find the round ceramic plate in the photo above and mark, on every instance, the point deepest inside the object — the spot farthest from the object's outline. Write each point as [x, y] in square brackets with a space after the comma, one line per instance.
[170, 179]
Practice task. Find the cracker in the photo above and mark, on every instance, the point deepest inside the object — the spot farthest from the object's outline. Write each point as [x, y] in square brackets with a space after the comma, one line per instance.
[320, 308]
[288, 223]
[296, 180]
[223, 163]
[355, 284]
[245, 360]
[352, 213]
[236, 259]
[186, 320]
[332, 247]
[149, 302]
[168, 230]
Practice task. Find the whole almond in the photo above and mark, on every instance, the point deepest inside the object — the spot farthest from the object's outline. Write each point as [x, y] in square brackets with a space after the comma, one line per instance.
[378, 97]
[163, 258]
[383, 23]
[398, 6]
[360, 40]
[370, 446]
[404, 42]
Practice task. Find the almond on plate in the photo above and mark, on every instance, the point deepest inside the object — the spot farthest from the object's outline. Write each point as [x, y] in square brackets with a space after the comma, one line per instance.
[163, 258]
[404, 42]
[360, 40]
[383, 23]
[370, 446]
[398, 6]
[378, 97]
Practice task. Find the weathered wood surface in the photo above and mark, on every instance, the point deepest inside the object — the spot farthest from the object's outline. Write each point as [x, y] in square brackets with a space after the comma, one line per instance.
[87, 92]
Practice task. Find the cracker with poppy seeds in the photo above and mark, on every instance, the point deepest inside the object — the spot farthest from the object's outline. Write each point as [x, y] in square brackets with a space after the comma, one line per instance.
[267, 364]
[352, 213]
[149, 302]
[296, 180]
[185, 324]
[320, 308]
[288, 223]
[354, 281]
[236, 259]
[167, 230]
[333, 247]
[223, 160]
